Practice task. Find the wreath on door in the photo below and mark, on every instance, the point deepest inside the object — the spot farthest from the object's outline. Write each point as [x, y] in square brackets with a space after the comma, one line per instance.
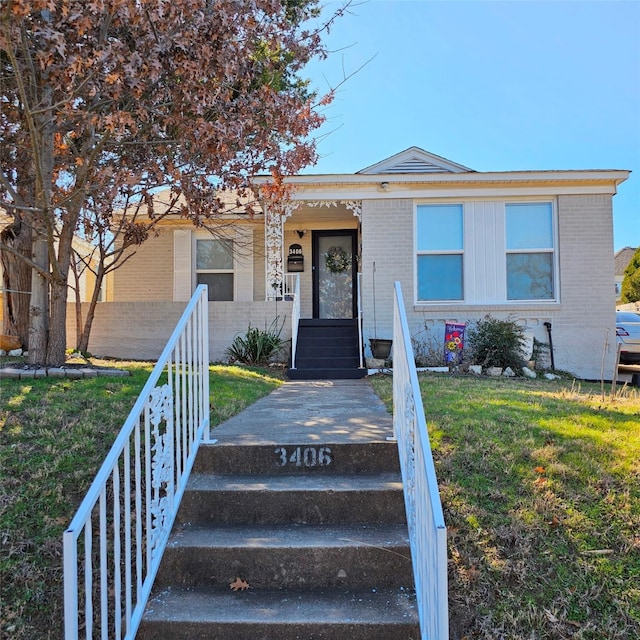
[337, 260]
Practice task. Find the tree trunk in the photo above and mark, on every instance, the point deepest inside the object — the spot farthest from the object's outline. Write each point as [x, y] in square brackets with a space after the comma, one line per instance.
[78, 300]
[16, 282]
[39, 305]
[83, 342]
[57, 345]
[43, 225]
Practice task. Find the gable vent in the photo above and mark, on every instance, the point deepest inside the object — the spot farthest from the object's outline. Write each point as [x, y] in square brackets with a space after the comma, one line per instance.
[416, 165]
[414, 160]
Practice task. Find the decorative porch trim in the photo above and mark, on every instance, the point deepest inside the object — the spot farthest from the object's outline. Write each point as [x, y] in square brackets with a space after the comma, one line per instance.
[355, 206]
[274, 246]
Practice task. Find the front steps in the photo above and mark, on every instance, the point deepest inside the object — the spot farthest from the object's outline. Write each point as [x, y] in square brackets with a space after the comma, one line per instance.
[327, 350]
[318, 533]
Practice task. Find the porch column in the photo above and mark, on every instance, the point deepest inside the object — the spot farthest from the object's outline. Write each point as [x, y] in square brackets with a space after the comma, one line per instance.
[274, 218]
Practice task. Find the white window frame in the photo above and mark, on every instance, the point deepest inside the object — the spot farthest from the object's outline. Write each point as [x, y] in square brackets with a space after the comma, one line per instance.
[553, 251]
[438, 252]
[485, 252]
[184, 261]
[199, 236]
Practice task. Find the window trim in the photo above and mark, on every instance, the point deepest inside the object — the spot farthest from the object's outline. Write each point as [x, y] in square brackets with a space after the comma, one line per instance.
[438, 252]
[475, 251]
[546, 250]
[233, 270]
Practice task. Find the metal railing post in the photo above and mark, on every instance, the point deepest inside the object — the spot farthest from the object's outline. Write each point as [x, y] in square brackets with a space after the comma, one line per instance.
[295, 320]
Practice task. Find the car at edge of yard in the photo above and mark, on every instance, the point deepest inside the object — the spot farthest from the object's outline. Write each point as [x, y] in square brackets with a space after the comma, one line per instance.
[628, 336]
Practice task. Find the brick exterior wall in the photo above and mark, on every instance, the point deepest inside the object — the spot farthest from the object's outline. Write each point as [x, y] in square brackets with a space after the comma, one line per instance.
[387, 231]
[583, 321]
[587, 307]
[140, 330]
[148, 274]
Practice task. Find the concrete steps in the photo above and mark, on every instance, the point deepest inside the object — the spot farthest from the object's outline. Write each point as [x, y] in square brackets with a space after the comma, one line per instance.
[212, 614]
[318, 533]
[288, 556]
[309, 458]
[316, 499]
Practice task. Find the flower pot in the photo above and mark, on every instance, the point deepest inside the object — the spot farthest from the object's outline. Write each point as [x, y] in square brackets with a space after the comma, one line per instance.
[9, 343]
[380, 348]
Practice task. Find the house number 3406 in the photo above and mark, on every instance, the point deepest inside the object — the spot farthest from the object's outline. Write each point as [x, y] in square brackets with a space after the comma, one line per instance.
[304, 456]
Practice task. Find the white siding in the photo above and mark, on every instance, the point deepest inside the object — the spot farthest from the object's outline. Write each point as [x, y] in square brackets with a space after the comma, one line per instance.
[243, 264]
[484, 252]
[182, 278]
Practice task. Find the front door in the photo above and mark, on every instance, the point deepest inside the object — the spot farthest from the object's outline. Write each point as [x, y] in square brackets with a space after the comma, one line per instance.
[335, 269]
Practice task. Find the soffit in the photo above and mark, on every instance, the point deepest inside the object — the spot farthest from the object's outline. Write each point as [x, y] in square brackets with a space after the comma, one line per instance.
[471, 184]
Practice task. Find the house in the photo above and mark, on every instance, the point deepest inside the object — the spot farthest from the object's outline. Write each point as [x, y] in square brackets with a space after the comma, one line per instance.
[462, 243]
[622, 258]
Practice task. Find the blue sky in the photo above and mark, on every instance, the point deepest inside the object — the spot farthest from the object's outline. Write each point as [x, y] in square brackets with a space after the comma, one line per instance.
[504, 85]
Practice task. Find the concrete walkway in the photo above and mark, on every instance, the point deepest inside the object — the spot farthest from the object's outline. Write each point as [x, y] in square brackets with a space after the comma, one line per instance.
[314, 412]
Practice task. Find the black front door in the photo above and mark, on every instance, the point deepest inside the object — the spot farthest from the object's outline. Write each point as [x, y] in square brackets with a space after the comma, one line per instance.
[335, 269]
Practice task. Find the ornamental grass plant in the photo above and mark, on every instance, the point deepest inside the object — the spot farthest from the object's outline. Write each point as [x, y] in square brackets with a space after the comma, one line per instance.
[257, 346]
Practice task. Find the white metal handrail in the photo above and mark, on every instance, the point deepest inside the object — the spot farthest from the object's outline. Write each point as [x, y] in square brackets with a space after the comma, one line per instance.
[284, 290]
[114, 544]
[359, 319]
[289, 284]
[295, 320]
[427, 530]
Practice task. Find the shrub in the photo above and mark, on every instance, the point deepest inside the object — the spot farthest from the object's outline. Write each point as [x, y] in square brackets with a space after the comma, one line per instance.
[428, 351]
[541, 354]
[257, 346]
[496, 343]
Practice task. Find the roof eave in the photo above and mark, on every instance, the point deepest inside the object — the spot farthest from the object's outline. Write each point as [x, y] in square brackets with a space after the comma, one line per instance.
[616, 176]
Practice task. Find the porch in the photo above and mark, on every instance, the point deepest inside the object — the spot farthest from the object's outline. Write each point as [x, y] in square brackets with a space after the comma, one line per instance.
[318, 243]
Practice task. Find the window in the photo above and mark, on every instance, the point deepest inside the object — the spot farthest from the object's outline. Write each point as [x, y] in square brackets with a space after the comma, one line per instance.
[439, 246]
[214, 267]
[486, 252]
[530, 251]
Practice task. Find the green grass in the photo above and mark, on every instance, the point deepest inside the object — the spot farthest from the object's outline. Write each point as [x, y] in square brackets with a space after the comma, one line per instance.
[234, 388]
[54, 435]
[540, 484]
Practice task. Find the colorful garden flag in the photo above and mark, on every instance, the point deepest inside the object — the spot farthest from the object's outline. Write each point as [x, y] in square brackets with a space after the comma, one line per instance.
[453, 342]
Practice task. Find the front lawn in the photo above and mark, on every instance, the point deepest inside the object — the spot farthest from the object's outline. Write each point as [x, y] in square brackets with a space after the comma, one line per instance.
[540, 484]
[54, 435]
